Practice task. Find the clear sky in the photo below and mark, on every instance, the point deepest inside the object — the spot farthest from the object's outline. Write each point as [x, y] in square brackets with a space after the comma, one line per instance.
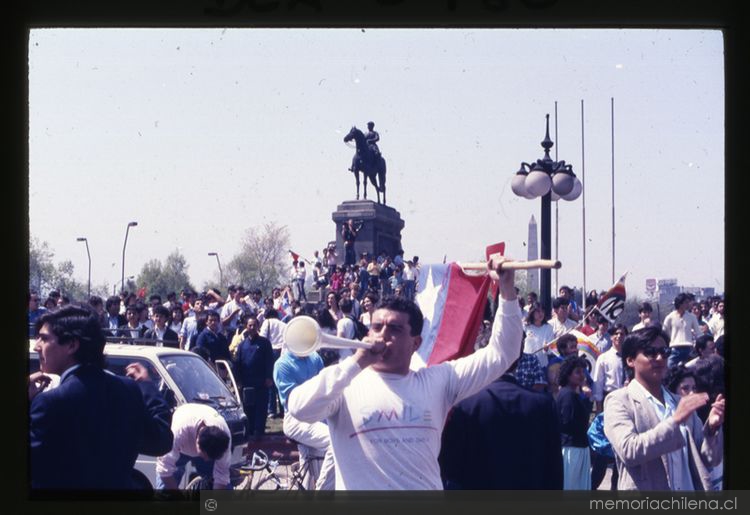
[198, 134]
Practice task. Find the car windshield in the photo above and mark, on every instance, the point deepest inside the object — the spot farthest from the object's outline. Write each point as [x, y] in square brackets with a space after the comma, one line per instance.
[197, 381]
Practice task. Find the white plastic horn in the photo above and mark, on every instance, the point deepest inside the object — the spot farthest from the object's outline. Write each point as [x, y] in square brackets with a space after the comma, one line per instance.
[303, 336]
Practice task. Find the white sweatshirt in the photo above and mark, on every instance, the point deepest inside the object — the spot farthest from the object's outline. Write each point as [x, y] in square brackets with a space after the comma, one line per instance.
[386, 428]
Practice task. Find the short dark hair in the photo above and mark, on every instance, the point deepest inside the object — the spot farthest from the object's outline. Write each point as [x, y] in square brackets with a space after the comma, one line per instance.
[401, 305]
[638, 340]
[565, 340]
[568, 366]
[111, 301]
[709, 376]
[155, 296]
[619, 327]
[675, 376]
[271, 313]
[560, 301]
[95, 300]
[213, 441]
[680, 299]
[77, 323]
[212, 313]
[346, 305]
[645, 307]
[702, 342]
[161, 310]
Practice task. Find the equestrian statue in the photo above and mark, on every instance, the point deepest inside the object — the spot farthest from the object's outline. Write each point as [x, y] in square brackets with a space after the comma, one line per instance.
[367, 159]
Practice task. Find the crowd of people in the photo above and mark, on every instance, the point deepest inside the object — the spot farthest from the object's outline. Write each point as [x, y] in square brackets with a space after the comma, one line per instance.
[524, 411]
[603, 418]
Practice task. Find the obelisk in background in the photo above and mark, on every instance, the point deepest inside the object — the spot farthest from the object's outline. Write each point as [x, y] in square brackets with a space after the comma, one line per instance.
[532, 276]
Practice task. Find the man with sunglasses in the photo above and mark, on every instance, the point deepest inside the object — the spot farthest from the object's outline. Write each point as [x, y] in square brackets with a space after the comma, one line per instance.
[658, 439]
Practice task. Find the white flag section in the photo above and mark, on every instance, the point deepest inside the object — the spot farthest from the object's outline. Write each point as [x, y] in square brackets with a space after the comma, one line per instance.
[452, 303]
[431, 295]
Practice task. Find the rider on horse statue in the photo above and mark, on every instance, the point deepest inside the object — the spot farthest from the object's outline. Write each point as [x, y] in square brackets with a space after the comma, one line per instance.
[372, 138]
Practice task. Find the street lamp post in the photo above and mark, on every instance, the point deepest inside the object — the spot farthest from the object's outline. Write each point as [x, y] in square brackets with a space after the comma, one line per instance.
[221, 275]
[550, 180]
[122, 283]
[89, 255]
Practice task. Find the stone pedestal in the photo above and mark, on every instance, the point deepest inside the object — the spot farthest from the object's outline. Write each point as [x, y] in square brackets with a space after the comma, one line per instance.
[381, 228]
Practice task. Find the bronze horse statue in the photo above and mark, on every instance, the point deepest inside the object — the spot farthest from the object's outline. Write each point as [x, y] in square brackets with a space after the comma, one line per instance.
[365, 160]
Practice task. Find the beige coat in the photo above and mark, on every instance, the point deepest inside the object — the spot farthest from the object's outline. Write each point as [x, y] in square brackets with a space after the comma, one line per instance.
[641, 442]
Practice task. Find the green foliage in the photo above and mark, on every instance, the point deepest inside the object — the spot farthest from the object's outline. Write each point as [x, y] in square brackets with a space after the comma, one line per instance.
[261, 262]
[161, 279]
[45, 275]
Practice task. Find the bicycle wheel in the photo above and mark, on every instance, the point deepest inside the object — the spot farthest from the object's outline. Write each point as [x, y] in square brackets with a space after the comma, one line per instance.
[200, 483]
[269, 482]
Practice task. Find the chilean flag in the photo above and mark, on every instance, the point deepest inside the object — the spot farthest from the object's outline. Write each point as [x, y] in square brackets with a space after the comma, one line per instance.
[452, 302]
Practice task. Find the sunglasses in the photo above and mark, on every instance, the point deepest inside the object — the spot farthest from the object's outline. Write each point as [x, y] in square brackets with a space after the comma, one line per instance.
[652, 352]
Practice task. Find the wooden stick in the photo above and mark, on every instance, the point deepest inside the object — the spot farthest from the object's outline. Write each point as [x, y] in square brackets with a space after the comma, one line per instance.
[515, 265]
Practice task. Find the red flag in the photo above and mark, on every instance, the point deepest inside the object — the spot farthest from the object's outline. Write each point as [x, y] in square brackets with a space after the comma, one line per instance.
[141, 293]
[613, 302]
[295, 257]
[495, 248]
[453, 305]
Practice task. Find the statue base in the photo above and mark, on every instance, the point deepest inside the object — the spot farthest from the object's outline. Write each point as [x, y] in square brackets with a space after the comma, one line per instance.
[380, 232]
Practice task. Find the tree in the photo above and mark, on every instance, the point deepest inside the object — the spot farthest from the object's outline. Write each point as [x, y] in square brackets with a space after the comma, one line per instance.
[45, 275]
[161, 279]
[261, 262]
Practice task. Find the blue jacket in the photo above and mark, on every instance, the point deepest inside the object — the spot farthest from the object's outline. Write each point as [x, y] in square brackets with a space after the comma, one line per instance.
[87, 433]
[254, 362]
[216, 344]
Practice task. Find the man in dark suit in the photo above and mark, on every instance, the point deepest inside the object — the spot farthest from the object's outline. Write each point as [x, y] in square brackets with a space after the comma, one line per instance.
[212, 339]
[253, 369]
[505, 437]
[113, 320]
[87, 433]
[161, 330]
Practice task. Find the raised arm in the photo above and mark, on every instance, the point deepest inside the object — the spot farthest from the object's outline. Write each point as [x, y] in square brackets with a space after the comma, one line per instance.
[473, 372]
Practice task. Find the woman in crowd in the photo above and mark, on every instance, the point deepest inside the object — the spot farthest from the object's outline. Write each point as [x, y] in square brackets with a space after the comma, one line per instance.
[538, 333]
[680, 380]
[176, 319]
[332, 306]
[327, 325]
[574, 408]
[337, 279]
[368, 308]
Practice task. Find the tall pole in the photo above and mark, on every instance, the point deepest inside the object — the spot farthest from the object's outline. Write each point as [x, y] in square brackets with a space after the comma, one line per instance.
[89, 255]
[583, 204]
[545, 278]
[613, 187]
[557, 213]
[541, 179]
[124, 245]
[221, 275]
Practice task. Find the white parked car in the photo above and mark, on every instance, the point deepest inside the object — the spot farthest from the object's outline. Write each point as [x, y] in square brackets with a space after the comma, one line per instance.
[182, 377]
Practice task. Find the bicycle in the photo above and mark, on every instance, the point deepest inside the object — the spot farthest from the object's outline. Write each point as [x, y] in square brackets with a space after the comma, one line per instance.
[248, 475]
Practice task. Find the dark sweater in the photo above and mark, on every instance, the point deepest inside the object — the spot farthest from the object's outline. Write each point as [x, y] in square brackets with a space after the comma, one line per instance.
[574, 413]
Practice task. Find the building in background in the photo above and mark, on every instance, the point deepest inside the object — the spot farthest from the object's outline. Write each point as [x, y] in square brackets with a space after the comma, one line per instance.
[532, 276]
